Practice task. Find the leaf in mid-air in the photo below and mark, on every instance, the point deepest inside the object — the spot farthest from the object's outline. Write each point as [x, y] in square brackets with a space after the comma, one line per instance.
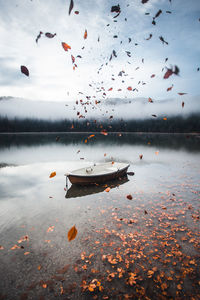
[71, 6]
[52, 174]
[66, 46]
[24, 70]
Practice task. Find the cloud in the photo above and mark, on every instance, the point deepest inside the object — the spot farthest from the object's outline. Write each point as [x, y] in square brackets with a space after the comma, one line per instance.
[51, 72]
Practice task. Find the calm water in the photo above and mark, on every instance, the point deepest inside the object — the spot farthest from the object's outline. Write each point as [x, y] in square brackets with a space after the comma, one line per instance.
[165, 190]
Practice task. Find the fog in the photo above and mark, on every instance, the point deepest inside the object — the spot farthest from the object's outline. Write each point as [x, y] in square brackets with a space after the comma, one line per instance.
[135, 108]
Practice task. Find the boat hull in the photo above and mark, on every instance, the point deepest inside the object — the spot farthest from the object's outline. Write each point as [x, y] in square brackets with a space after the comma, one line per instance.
[96, 179]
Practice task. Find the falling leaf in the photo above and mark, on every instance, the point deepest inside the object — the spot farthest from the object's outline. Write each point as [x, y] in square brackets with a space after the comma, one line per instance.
[165, 119]
[73, 59]
[71, 6]
[183, 104]
[169, 88]
[52, 174]
[44, 285]
[50, 35]
[155, 116]
[153, 75]
[72, 233]
[104, 132]
[39, 36]
[144, 1]
[65, 46]
[15, 247]
[168, 73]
[110, 89]
[76, 12]
[158, 13]
[129, 197]
[1, 247]
[181, 94]
[141, 156]
[24, 70]
[150, 100]
[129, 88]
[26, 253]
[162, 40]
[150, 36]
[51, 228]
[116, 8]
[85, 34]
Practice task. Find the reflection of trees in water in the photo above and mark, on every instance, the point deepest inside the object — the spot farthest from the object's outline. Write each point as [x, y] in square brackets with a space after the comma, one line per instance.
[189, 142]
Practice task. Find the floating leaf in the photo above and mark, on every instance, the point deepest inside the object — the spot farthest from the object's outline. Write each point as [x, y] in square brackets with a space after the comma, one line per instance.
[52, 174]
[24, 70]
[71, 6]
[65, 46]
[72, 233]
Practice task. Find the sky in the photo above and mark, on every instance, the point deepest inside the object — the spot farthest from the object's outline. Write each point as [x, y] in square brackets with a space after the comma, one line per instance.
[51, 75]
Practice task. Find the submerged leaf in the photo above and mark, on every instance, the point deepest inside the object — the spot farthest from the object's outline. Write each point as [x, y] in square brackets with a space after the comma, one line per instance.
[72, 233]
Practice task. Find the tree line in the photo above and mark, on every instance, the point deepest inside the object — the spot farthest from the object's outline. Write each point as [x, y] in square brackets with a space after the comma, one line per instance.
[173, 124]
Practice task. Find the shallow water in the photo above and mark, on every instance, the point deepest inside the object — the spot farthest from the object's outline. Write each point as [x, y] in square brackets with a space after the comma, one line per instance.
[40, 210]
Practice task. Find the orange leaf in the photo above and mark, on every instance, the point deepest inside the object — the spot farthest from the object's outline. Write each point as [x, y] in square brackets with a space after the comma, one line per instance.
[72, 233]
[44, 285]
[52, 174]
[107, 189]
[85, 34]
[129, 88]
[26, 253]
[164, 119]
[66, 46]
[110, 89]
[1, 247]
[157, 152]
[85, 141]
[169, 88]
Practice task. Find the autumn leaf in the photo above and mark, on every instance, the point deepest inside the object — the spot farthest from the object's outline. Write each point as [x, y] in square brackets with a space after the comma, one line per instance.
[85, 34]
[104, 132]
[150, 100]
[50, 35]
[76, 12]
[129, 88]
[73, 59]
[164, 118]
[1, 247]
[72, 233]
[153, 75]
[169, 88]
[110, 89]
[65, 46]
[52, 174]
[183, 104]
[168, 73]
[71, 6]
[129, 197]
[141, 156]
[157, 152]
[26, 253]
[181, 94]
[24, 70]
[107, 189]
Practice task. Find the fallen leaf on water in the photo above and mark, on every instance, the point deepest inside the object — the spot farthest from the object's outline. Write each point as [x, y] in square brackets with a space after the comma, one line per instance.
[66, 47]
[52, 174]
[51, 228]
[24, 70]
[72, 233]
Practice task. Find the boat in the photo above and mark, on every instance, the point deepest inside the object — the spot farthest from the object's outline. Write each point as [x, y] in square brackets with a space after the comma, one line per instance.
[76, 191]
[98, 173]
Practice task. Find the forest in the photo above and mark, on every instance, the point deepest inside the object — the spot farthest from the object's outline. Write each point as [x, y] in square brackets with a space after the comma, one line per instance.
[175, 124]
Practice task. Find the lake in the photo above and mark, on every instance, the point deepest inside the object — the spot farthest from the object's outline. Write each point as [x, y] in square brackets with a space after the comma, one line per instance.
[146, 247]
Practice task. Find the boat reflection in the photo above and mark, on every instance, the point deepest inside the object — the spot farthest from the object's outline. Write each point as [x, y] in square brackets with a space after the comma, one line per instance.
[80, 191]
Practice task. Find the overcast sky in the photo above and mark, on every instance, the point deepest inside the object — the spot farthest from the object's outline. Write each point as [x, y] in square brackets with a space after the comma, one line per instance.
[51, 69]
